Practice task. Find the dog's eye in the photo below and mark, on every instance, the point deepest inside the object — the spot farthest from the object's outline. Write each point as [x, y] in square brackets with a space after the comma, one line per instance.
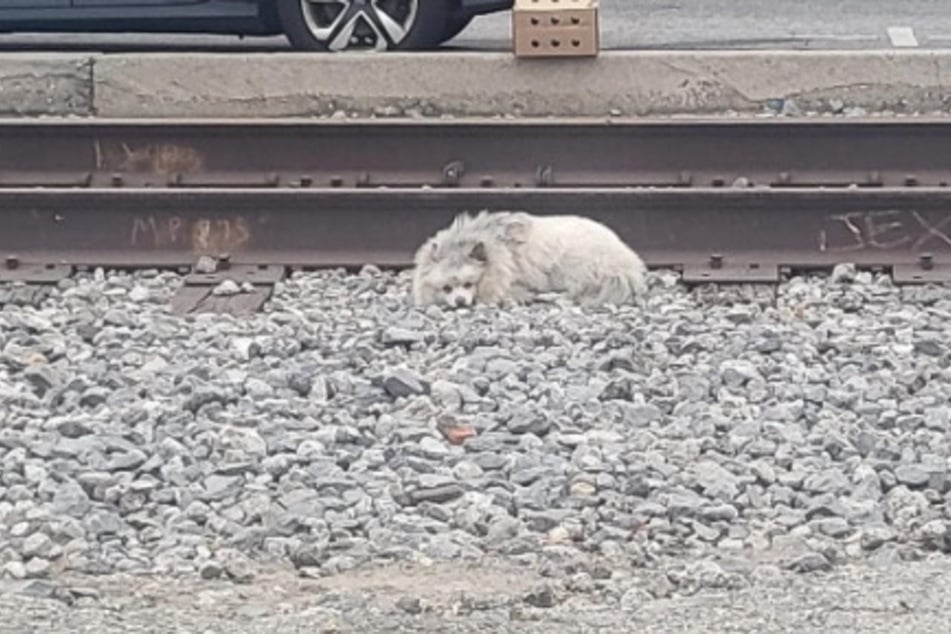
[446, 289]
[467, 285]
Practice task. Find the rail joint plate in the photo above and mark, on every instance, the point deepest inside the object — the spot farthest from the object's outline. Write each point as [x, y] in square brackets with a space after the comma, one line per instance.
[33, 272]
[724, 270]
[936, 273]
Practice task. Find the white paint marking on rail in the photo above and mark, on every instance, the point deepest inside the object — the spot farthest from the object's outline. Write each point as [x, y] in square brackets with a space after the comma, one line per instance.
[902, 37]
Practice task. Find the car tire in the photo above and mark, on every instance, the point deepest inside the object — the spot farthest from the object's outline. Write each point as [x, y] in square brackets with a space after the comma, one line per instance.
[338, 25]
[456, 25]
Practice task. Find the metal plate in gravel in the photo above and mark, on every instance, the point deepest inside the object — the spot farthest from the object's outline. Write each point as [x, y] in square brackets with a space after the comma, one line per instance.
[199, 299]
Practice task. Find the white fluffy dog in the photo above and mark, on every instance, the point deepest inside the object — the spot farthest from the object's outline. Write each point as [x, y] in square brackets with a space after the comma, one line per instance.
[513, 257]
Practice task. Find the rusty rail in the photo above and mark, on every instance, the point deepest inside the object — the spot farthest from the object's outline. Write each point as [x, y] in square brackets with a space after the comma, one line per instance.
[564, 153]
[714, 234]
[724, 200]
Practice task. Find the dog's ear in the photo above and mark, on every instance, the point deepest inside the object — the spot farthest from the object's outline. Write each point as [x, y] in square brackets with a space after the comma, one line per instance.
[478, 252]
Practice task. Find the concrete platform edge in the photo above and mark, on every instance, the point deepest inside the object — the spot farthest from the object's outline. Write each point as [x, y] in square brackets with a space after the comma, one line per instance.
[628, 83]
[46, 84]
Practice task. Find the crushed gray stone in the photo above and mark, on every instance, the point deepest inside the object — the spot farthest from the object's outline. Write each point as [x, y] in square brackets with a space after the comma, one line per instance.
[342, 428]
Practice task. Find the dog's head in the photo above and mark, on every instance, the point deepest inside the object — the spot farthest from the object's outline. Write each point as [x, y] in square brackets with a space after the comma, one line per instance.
[452, 272]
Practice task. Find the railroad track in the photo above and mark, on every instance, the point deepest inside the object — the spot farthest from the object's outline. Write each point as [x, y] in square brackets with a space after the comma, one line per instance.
[722, 200]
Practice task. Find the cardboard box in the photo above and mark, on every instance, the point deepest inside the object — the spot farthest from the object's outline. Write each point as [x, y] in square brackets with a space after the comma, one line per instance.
[555, 28]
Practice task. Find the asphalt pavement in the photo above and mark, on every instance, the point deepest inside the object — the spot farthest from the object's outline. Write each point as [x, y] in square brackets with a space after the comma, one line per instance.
[635, 24]
[753, 24]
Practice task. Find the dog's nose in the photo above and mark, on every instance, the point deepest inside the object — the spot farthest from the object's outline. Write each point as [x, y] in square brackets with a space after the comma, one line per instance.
[460, 302]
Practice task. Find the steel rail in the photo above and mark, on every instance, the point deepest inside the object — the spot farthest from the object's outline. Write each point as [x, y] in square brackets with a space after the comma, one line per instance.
[714, 234]
[561, 153]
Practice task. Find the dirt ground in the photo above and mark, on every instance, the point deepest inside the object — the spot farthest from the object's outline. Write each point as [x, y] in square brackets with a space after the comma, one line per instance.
[488, 597]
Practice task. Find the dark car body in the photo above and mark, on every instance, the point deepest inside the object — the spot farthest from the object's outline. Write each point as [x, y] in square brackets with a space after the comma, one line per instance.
[239, 17]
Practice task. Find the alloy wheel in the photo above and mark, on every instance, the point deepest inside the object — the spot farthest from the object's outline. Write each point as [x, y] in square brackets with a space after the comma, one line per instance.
[359, 24]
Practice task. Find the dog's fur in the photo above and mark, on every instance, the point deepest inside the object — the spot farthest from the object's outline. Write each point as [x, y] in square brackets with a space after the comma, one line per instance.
[508, 256]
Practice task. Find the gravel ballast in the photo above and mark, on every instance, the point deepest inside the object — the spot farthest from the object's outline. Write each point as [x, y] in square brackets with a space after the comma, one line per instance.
[708, 439]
